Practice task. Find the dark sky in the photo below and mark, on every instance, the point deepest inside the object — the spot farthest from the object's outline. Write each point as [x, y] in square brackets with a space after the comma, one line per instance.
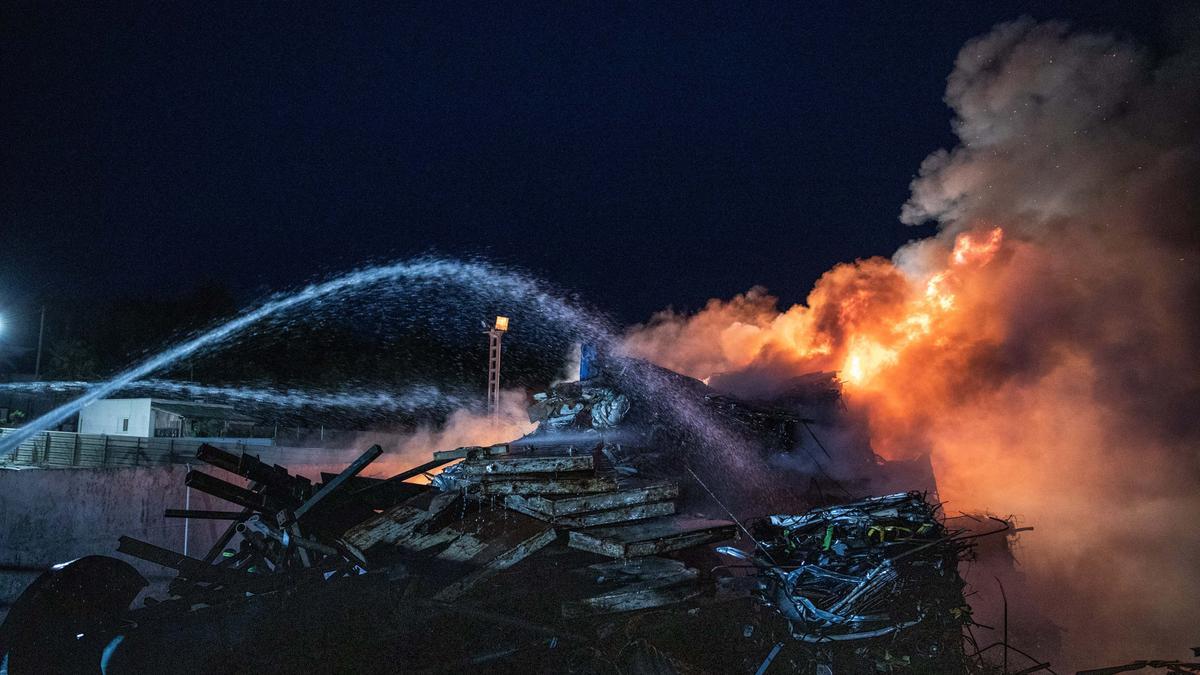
[642, 156]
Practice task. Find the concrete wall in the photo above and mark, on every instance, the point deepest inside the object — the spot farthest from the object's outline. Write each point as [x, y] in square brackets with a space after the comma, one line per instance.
[51, 516]
[105, 417]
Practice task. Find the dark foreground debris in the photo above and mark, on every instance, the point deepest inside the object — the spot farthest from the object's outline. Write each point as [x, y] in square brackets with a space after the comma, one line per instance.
[598, 555]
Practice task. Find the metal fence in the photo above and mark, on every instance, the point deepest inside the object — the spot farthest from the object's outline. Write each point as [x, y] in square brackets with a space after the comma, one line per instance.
[55, 449]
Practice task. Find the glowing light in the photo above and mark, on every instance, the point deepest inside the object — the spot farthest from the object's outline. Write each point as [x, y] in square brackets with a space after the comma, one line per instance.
[502, 323]
[864, 360]
[852, 372]
[936, 292]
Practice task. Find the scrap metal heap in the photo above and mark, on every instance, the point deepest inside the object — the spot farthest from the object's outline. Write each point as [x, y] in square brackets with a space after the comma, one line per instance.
[601, 405]
[542, 555]
[869, 585]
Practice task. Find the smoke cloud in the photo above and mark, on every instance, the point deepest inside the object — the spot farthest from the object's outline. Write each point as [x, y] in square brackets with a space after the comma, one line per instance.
[402, 451]
[1042, 346]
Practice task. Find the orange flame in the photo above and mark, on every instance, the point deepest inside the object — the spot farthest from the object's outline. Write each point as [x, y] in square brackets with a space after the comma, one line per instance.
[867, 355]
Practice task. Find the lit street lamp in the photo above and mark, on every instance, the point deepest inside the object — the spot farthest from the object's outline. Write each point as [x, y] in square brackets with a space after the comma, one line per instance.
[493, 392]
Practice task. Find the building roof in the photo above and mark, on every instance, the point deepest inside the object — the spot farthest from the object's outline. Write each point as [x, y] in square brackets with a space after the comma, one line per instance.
[210, 411]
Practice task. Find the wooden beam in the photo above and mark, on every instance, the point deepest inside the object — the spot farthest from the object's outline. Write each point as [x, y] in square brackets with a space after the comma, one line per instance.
[652, 536]
[334, 485]
[630, 494]
[606, 517]
[549, 485]
[528, 465]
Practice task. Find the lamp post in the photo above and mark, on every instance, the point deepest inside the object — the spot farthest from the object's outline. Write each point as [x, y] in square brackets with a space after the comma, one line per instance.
[496, 332]
[37, 368]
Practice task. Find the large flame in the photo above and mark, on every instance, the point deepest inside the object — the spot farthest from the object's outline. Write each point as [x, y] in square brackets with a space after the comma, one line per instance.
[923, 317]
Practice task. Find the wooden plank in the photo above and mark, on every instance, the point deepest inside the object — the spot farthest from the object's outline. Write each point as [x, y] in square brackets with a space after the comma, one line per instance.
[503, 561]
[651, 537]
[637, 569]
[637, 596]
[609, 516]
[423, 541]
[481, 544]
[463, 453]
[557, 486]
[485, 534]
[528, 465]
[400, 521]
[630, 494]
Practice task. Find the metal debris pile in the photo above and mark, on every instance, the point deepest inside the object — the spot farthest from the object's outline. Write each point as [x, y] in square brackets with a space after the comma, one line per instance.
[872, 584]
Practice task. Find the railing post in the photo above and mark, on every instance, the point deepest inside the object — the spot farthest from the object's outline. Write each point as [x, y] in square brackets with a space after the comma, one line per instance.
[104, 455]
[76, 457]
[46, 447]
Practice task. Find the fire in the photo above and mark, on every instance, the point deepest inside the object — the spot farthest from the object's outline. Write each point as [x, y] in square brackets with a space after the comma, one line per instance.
[863, 360]
[867, 354]
[862, 319]
[968, 250]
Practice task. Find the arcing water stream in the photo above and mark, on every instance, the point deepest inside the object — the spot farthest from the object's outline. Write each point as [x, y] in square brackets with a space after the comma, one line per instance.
[410, 399]
[479, 281]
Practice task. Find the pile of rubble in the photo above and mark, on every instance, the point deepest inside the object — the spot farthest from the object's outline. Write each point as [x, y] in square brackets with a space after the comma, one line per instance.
[581, 548]
[510, 504]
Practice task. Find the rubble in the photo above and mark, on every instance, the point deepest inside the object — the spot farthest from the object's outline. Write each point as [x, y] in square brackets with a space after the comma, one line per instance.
[588, 546]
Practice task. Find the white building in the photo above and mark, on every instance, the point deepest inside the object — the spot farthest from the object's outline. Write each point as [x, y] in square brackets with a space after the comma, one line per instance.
[161, 418]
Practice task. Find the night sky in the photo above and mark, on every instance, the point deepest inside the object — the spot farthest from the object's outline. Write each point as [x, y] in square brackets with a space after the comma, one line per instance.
[642, 156]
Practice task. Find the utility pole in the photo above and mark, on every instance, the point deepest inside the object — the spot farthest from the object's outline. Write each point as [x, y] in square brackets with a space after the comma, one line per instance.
[493, 391]
[37, 368]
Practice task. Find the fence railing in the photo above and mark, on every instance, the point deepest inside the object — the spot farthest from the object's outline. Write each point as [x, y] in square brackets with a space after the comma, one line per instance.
[52, 449]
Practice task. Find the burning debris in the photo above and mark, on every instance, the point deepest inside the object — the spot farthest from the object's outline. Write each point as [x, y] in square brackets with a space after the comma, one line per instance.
[590, 545]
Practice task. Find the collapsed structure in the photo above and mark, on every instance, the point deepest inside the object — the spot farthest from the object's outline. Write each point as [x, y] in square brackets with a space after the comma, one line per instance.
[594, 544]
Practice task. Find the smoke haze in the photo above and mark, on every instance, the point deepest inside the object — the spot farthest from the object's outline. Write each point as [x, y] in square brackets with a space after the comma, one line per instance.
[402, 451]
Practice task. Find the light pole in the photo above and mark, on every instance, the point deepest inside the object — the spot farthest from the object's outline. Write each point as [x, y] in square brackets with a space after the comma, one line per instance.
[496, 332]
[37, 368]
